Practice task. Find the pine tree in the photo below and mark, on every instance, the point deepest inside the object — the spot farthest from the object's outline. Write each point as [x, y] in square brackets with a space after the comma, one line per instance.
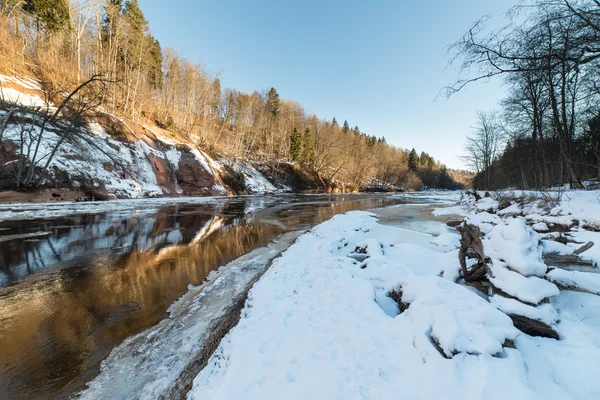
[51, 15]
[346, 127]
[308, 154]
[136, 28]
[155, 59]
[334, 122]
[446, 181]
[295, 145]
[273, 102]
[356, 130]
[413, 160]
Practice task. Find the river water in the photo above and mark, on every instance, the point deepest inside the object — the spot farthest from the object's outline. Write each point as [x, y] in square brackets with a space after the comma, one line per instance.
[73, 287]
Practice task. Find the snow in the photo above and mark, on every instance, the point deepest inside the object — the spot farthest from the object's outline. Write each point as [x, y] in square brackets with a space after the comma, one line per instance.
[254, 181]
[447, 240]
[575, 279]
[584, 236]
[528, 289]
[517, 245]
[13, 96]
[552, 246]
[567, 368]
[487, 204]
[483, 220]
[317, 325]
[454, 210]
[25, 82]
[544, 312]
[460, 320]
[513, 209]
[540, 227]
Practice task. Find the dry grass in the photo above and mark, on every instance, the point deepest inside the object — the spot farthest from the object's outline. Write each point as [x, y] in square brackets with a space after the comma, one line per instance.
[546, 199]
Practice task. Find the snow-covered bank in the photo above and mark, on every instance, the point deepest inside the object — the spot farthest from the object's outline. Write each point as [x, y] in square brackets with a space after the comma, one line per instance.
[322, 323]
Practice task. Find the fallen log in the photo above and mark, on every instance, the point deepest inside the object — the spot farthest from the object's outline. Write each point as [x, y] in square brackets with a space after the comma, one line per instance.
[533, 327]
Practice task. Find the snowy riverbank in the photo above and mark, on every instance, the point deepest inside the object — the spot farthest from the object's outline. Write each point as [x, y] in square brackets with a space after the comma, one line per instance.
[323, 323]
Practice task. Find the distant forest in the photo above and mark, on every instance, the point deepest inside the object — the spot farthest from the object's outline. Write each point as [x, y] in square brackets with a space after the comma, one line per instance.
[547, 131]
[63, 43]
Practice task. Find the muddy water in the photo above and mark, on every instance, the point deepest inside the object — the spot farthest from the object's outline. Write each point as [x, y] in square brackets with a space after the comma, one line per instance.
[72, 288]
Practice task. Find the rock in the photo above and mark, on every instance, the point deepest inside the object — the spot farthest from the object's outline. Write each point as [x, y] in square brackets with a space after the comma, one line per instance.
[108, 166]
[165, 176]
[453, 224]
[360, 257]
[192, 177]
[396, 295]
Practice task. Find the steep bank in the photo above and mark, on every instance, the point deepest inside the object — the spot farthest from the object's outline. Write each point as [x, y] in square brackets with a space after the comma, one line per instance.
[111, 158]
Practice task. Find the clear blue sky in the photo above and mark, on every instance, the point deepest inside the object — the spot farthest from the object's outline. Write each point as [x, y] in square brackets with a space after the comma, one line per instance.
[379, 64]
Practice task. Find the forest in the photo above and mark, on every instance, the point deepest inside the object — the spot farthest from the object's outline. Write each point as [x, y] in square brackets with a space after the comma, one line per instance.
[546, 131]
[105, 51]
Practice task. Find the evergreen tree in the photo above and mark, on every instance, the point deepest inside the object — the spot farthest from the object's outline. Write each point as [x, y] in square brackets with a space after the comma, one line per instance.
[273, 102]
[135, 17]
[136, 27]
[334, 122]
[112, 13]
[446, 181]
[413, 160]
[51, 15]
[295, 145]
[155, 59]
[346, 127]
[308, 155]
[430, 162]
[356, 130]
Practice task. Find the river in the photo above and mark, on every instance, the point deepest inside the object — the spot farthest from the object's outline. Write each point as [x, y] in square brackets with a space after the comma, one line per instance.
[74, 286]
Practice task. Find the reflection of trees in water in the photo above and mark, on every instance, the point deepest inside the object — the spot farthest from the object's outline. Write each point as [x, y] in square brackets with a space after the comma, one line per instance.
[69, 322]
[74, 240]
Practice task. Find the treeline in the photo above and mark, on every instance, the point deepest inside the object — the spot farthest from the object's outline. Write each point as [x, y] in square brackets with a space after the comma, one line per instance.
[548, 129]
[69, 41]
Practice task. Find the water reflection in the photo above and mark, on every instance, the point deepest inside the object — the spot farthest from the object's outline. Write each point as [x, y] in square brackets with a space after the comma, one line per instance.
[91, 281]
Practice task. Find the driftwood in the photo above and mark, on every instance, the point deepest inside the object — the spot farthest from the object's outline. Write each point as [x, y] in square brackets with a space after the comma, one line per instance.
[571, 262]
[472, 247]
[533, 327]
[583, 248]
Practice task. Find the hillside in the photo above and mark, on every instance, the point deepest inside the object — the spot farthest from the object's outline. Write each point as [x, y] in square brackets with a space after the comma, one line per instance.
[110, 157]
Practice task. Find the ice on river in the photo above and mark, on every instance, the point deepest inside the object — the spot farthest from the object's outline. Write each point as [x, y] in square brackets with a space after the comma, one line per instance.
[148, 365]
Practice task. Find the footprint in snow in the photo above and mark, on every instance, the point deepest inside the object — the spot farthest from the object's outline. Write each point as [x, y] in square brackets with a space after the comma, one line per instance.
[292, 371]
[267, 345]
[288, 318]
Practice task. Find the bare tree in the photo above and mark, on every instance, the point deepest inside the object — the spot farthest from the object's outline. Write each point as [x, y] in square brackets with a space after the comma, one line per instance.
[484, 144]
[67, 119]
